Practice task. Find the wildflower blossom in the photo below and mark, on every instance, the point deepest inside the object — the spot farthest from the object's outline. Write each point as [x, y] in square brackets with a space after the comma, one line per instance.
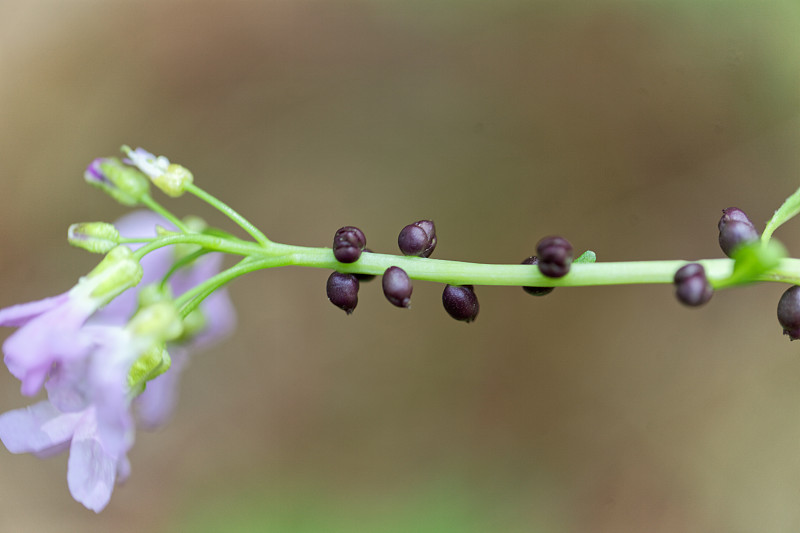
[94, 363]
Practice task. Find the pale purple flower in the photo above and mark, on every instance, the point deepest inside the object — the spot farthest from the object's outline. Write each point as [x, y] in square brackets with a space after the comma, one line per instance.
[48, 329]
[84, 355]
[98, 431]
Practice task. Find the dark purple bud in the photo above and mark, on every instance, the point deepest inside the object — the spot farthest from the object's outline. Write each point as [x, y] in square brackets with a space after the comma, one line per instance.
[363, 278]
[730, 214]
[735, 229]
[789, 312]
[536, 291]
[460, 302]
[691, 285]
[735, 233]
[555, 256]
[343, 291]
[397, 287]
[418, 239]
[348, 242]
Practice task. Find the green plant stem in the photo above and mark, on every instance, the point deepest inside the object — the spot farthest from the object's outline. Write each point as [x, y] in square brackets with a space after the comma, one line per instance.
[191, 299]
[230, 213]
[164, 212]
[460, 273]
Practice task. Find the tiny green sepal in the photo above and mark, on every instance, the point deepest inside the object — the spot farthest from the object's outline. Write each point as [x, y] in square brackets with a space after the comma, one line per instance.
[751, 260]
[117, 272]
[96, 237]
[148, 366]
[787, 210]
[586, 257]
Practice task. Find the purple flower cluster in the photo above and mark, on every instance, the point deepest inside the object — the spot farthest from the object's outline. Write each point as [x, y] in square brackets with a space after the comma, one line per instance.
[93, 349]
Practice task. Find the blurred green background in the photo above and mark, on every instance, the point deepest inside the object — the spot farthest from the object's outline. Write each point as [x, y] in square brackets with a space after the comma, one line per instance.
[623, 126]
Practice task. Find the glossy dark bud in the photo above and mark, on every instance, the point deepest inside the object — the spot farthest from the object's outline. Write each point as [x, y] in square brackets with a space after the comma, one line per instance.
[555, 256]
[735, 228]
[418, 239]
[460, 302]
[789, 312]
[343, 291]
[397, 286]
[348, 242]
[363, 278]
[733, 214]
[691, 285]
[536, 291]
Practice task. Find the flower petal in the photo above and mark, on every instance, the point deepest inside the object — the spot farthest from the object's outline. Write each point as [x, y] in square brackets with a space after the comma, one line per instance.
[38, 428]
[92, 468]
[19, 315]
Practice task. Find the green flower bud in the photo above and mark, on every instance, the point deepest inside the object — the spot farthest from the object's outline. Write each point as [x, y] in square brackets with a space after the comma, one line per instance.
[125, 184]
[173, 182]
[159, 321]
[96, 237]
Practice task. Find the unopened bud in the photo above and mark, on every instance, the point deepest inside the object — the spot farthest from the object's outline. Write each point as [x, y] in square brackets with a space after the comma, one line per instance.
[460, 302]
[789, 312]
[173, 182]
[735, 229]
[691, 285]
[96, 237]
[397, 286]
[418, 239]
[123, 183]
[342, 290]
[348, 243]
[555, 256]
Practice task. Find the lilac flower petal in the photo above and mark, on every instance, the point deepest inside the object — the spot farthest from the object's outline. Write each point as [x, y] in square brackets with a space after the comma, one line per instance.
[31, 351]
[19, 315]
[220, 317]
[37, 428]
[92, 468]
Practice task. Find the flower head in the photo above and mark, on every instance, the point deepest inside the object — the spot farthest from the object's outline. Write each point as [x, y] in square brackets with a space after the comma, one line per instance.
[49, 327]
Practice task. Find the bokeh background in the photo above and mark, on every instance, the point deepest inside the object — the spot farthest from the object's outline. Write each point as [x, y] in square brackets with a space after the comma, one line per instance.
[623, 126]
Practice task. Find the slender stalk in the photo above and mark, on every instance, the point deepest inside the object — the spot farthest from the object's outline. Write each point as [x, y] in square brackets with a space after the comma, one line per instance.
[230, 213]
[164, 212]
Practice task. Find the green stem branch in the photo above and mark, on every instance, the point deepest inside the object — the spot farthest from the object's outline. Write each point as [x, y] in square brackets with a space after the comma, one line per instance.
[230, 213]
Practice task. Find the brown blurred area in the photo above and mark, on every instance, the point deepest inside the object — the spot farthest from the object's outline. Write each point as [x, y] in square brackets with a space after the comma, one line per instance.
[624, 126]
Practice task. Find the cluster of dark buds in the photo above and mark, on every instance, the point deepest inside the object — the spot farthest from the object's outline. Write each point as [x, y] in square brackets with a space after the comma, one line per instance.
[419, 239]
[692, 287]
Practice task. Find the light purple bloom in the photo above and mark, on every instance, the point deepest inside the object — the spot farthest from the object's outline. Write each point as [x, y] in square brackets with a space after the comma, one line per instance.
[83, 355]
[98, 432]
[49, 327]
